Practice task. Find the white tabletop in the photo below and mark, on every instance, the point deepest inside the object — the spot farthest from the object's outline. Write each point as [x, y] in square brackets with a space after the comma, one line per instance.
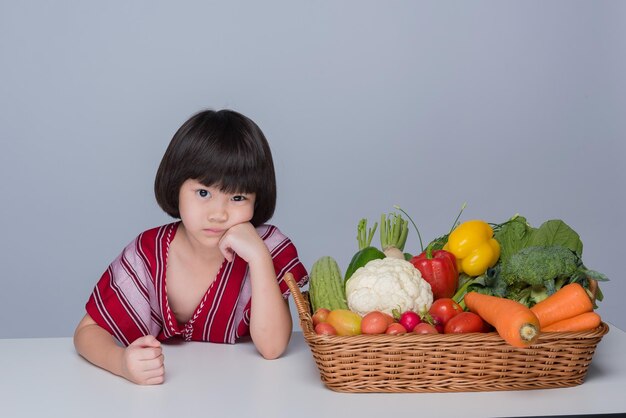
[45, 377]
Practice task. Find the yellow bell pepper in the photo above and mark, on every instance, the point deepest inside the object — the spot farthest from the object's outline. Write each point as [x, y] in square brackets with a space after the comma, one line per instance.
[473, 245]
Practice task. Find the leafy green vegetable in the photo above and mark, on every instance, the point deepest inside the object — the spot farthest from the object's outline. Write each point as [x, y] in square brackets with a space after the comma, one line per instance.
[557, 232]
[489, 283]
[517, 233]
[513, 235]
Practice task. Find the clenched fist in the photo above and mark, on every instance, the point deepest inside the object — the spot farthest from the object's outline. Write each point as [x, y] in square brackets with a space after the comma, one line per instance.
[142, 362]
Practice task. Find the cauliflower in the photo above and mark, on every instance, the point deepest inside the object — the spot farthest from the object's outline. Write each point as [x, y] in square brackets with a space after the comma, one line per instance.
[386, 284]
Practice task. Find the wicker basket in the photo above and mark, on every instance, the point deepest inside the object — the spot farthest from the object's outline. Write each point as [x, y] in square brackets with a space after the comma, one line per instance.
[445, 362]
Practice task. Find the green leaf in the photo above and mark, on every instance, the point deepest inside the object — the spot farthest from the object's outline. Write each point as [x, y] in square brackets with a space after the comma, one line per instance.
[557, 232]
[597, 276]
[513, 236]
[438, 243]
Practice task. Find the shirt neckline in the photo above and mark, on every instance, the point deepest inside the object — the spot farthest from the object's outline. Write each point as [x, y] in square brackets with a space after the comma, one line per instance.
[175, 327]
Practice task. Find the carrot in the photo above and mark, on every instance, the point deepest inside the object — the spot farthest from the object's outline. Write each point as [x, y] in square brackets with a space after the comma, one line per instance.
[570, 300]
[515, 323]
[583, 322]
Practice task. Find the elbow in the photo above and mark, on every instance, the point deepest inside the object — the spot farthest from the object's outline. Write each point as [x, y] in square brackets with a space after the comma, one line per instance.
[76, 337]
[272, 353]
[268, 356]
[79, 338]
[273, 348]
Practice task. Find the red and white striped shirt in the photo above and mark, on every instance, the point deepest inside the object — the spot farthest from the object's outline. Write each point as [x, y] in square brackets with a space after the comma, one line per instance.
[130, 299]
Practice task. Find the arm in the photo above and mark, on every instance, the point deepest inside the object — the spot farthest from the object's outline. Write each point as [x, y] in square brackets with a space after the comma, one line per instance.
[141, 362]
[270, 318]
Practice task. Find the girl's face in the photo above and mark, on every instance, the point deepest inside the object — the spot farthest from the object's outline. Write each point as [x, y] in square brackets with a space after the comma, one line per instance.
[207, 212]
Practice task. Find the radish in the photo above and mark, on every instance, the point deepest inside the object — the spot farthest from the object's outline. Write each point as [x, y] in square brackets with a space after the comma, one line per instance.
[409, 320]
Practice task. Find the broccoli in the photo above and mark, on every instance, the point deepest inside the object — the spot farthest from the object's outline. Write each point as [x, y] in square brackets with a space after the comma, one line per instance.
[519, 292]
[534, 273]
[540, 266]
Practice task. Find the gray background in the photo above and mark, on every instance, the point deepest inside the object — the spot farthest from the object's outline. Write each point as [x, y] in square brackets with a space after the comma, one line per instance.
[512, 107]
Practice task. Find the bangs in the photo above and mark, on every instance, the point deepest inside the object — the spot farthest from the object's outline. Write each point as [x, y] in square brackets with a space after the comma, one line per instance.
[234, 163]
[231, 174]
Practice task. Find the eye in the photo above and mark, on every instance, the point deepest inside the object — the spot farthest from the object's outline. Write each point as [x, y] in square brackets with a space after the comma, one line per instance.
[239, 198]
[203, 193]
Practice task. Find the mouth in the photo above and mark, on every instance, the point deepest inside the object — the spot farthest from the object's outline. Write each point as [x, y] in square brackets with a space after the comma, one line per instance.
[212, 231]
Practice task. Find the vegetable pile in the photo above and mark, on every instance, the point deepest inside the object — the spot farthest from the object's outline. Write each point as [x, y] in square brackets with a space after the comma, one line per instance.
[534, 263]
[511, 278]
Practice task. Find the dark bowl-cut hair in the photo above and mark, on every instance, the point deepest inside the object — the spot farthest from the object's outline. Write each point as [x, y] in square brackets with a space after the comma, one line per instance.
[223, 149]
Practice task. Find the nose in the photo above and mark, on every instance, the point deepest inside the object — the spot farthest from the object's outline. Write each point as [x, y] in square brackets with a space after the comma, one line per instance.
[217, 213]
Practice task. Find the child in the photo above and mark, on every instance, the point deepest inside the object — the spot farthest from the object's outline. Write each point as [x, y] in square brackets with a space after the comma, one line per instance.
[215, 275]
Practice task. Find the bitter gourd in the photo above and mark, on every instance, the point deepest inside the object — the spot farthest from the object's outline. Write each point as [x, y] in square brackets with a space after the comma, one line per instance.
[326, 285]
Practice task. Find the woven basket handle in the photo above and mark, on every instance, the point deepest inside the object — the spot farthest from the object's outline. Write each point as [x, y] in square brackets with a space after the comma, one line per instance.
[301, 305]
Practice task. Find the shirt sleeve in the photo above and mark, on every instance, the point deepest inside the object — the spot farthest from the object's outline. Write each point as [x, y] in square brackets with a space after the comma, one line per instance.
[121, 300]
[288, 261]
[285, 258]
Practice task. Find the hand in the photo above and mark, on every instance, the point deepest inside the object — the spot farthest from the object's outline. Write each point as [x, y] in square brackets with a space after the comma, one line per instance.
[245, 241]
[142, 362]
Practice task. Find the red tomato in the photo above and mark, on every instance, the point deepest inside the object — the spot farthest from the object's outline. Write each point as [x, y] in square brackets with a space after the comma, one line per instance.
[444, 309]
[425, 328]
[395, 329]
[374, 322]
[324, 328]
[464, 322]
[320, 316]
[488, 327]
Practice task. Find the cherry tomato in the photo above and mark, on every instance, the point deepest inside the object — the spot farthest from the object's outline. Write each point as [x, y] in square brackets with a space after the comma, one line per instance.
[390, 319]
[425, 328]
[445, 309]
[324, 328]
[320, 316]
[374, 322]
[395, 329]
[464, 322]
[438, 323]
